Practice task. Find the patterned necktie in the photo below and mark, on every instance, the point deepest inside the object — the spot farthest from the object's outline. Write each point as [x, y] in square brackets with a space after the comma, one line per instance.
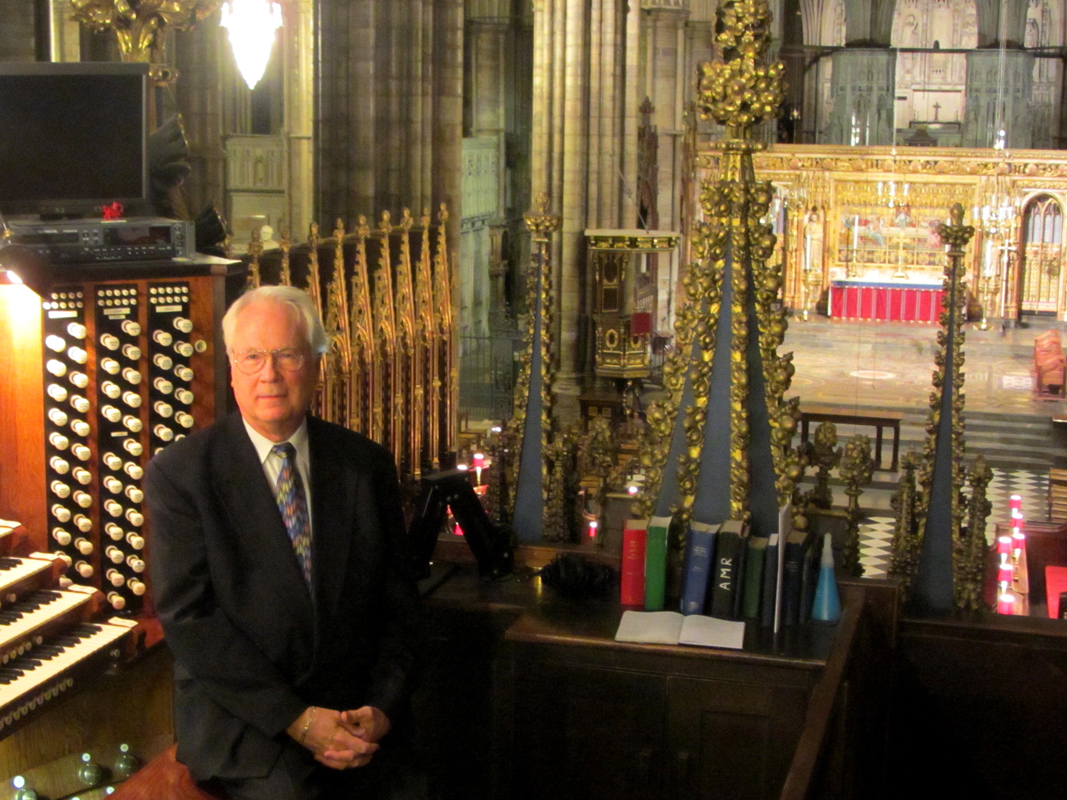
[292, 502]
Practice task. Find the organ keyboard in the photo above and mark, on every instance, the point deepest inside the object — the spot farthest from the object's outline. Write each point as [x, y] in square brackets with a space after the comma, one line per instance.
[59, 665]
[48, 643]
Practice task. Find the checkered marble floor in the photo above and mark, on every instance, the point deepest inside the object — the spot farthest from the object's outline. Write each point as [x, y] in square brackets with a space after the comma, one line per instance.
[876, 532]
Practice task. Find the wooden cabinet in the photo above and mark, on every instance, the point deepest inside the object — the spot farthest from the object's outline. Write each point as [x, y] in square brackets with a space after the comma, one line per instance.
[593, 718]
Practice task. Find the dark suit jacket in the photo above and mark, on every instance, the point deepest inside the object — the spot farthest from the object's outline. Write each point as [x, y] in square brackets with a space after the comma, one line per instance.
[252, 646]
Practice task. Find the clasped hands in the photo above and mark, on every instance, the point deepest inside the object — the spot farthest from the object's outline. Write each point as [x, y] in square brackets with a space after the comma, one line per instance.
[340, 739]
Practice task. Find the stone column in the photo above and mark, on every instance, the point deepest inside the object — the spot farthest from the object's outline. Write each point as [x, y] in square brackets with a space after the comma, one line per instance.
[298, 48]
[586, 87]
[987, 87]
[863, 87]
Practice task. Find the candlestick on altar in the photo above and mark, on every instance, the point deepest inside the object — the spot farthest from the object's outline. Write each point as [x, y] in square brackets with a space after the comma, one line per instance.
[478, 459]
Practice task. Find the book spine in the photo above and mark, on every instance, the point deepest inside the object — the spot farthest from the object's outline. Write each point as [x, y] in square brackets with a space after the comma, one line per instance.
[632, 580]
[753, 584]
[792, 580]
[770, 585]
[698, 561]
[725, 576]
[656, 563]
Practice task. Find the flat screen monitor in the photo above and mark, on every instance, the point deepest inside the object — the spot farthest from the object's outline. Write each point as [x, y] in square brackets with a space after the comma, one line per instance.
[73, 137]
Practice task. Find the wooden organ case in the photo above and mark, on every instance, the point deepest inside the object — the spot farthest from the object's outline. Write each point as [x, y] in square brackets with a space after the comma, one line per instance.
[110, 365]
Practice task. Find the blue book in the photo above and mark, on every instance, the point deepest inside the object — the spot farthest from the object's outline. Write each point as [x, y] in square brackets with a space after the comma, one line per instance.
[700, 548]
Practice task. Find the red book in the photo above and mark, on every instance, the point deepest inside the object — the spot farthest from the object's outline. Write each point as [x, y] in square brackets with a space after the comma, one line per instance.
[632, 582]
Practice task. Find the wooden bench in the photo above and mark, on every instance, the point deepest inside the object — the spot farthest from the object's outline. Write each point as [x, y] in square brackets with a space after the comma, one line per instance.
[879, 420]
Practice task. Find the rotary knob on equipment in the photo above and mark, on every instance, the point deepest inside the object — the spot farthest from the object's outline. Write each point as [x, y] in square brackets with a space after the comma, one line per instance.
[23, 792]
[126, 764]
[132, 352]
[60, 489]
[113, 530]
[56, 367]
[79, 379]
[89, 772]
[163, 432]
[65, 557]
[77, 355]
[135, 517]
[118, 602]
[114, 577]
[112, 461]
[83, 499]
[163, 386]
[56, 392]
[83, 523]
[183, 349]
[132, 423]
[163, 409]
[81, 452]
[136, 542]
[54, 343]
[113, 507]
[58, 441]
[184, 325]
[82, 476]
[114, 554]
[58, 416]
[112, 484]
[133, 447]
[185, 420]
[77, 330]
[109, 341]
[135, 494]
[59, 465]
[84, 569]
[83, 546]
[136, 586]
[131, 375]
[80, 404]
[184, 373]
[184, 396]
[162, 337]
[80, 427]
[62, 513]
[131, 328]
[111, 414]
[162, 361]
[110, 366]
[135, 563]
[132, 399]
[61, 536]
[133, 470]
[111, 389]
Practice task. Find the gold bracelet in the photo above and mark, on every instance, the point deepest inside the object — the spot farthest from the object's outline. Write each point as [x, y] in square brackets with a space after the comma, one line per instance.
[307, 725]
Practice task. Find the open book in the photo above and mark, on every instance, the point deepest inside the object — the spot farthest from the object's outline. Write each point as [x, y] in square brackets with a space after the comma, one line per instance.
[670, 627]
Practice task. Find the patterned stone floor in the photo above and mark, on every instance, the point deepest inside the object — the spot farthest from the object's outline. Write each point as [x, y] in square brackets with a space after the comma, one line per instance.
[890, 365]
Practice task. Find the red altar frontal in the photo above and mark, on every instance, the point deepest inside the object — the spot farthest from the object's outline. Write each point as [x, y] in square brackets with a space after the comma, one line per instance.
[891, 301]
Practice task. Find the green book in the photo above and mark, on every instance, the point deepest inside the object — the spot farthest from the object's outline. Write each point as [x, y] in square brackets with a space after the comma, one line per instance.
[656, 563]
[753, 584]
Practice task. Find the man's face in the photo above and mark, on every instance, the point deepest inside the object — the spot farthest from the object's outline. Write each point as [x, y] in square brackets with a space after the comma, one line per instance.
[273, 401]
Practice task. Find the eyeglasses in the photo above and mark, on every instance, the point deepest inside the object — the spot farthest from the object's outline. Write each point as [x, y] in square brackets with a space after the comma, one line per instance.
[251, 362]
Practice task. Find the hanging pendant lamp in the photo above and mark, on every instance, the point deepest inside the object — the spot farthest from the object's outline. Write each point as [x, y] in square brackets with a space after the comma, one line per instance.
[250, 25]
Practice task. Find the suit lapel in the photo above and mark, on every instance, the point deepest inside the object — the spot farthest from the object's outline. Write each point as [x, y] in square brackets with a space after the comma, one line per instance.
[254, 513]
[333, 493]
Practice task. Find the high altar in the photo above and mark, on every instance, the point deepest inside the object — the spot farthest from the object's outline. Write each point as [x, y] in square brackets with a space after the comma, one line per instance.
[857, 228]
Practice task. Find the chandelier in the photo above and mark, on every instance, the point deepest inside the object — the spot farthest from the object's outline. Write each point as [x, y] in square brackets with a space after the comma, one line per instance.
[250, 25]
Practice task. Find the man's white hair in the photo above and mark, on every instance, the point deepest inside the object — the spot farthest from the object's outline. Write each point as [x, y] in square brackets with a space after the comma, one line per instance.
[298, 301]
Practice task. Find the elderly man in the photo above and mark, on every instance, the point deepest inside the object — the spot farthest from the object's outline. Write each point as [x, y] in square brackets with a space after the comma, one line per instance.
[278, 577]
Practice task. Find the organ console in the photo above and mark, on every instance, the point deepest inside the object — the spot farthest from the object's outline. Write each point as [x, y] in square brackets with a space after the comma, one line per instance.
[111, 365]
